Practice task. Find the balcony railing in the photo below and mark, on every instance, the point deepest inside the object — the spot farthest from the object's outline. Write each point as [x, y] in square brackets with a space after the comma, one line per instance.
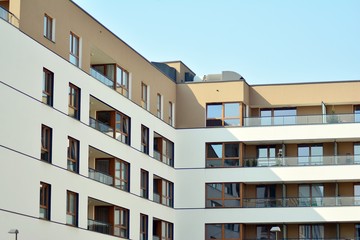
[100, 177]
[100, 227]
[99, 76]
[102, 127]
[9, 17]
[301, 120]
[301, 202]
[302, 161]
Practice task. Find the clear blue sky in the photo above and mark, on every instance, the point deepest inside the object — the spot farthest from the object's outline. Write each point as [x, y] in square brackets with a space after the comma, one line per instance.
[266, 41]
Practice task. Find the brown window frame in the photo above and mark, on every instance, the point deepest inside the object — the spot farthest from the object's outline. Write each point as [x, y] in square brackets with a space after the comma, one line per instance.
[166, 157]
[144, 139]
[124, 131]
[158, 229]
[144, 225]
[223, 158]
[166, 194]
[73, 161]
[158, 106]
[69, 212]
[171, 117]
[45, 198]
[75, 49]
[144, 96]
[223, 231]
[74, 101]
[123, 89]
[144, 183]
[48, 27]
[124, 222]
[48, 87]
[46, 143]
[223, 118]
[223, 198]
[123, 180]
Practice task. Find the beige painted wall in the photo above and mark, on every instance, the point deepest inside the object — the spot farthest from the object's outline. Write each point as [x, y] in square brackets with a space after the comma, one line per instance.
[192, 99]
[181, 68]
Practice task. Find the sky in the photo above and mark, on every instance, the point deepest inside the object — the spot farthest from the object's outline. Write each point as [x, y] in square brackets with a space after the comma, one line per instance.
[265, 41]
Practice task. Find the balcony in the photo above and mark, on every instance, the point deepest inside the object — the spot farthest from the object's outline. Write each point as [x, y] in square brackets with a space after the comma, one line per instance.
[301, 120]
[100, 177]
[99, 76]
[9, 17]
[302, 161]
[102, 127]
[301, 202]
[100, 227]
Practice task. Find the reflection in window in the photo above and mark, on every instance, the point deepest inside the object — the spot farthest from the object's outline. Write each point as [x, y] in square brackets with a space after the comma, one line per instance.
[310, 154]
[222, 154]
[163, 150]
[266, 155]
[357, 153]
[223, 114]
[223, 231]
[311, 232]
[265, 195]
[357, 113]
[263, 232]
[278, 116]
[73, 155]
[222, 195]
[311, 195]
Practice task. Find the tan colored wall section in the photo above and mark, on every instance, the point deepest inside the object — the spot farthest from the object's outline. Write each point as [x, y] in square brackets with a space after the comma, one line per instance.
[345, 148]
[192, 99]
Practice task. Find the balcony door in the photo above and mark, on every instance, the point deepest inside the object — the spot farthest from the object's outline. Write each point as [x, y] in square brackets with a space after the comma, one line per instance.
[310, 154]
[357, 152]
[105, 169]
[266, 155]
[103, 218]
[357, 113]
[311, 195]
[265, 196]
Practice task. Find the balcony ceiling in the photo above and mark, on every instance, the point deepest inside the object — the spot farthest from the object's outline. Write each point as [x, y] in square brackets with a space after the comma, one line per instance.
[99, 57]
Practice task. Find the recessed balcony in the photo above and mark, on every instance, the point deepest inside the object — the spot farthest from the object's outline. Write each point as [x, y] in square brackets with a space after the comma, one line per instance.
[6, 15]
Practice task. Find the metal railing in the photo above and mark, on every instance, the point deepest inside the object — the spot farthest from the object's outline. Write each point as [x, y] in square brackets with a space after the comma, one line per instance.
[9, 17]
[301, 202]
[100, 177]
[102, 127]
[302, 161]
[99, 76]
[301, 120]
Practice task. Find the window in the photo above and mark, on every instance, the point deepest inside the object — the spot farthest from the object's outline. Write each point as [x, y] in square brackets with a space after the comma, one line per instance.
[144, 96]
[311, 231]
[222, 154]
[144, 183]
[45, 191]
[47, 87]
[311, 195]
[74, 49]
[266, 155]
[223, 114]
[159, 106]
[229, 231]
[122, 128]
[266, 195]
[46, 143]
[74, 101]
[162, 230]
[163, 191]
[122, 81]
[143, 227]
[163, 150]
[71, 208]
[73, 155]
[49, 27]
[310, 154]
[144, 139]
[278, 116]
[171, 117]
[122, 175]
[357, 153]
[357, 231]
[222, 195]
[263, 232]
[121, 222]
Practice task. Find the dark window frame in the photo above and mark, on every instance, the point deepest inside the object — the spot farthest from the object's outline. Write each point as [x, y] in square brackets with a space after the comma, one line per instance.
[73, 155]
[48, 27]
[144, 183]
[223, 158]
[223, 197]
[166, 196]
[145, 139]
[223, 226]
[45, 200]
[74, 101]
[144, 226]
[75, 48]
[46, 143]
[48, 87]
[166, 157]
[144, 96]
[220, 122]
[74, 214]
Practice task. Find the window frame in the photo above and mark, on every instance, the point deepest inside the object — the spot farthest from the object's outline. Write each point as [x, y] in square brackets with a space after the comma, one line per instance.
[74, 49]
[45, 200]
[145, 139]
[124, 88]
[123, 225]
[216, 120]
[49, 27]
[48, 87]
[144, 96]
[171, 117]
[73, 147]
[123, 180]
[159, 111]
[223, 231]
[46, 131]
[223, 158]
[124, 130]
[165, 190]
[69, 212]
[74, 101]
[165, 153]
[144, 226]
[144, 183]
[223, 198]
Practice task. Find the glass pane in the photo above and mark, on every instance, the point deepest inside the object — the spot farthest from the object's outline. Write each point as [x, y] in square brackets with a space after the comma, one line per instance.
[232, 110]
[232, 150]
[232, 122]
[214, 151]
[265, 117]
[317, 232]
[304, 232]
[303, 155]
[304, 195]
[232, 231]
[214, 111]
[213, 163]
[231, 163]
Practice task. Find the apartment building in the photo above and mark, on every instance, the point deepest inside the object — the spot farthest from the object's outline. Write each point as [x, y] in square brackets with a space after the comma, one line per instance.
[104, 144]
